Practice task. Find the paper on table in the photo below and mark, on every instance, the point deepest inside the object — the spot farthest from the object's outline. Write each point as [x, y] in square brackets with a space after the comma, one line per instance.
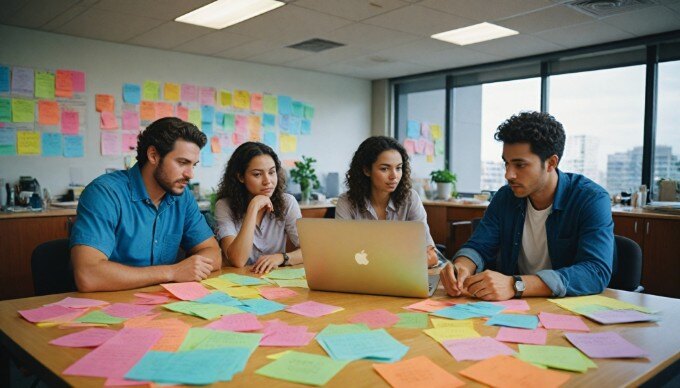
[174, 331]
[313, 309]
[376, 345]
[456, 312]
[514, 320]
[286, 273]
[506, 371]
[273, 293]
[301, 283]
[261, 306]
[606, 344]
[79, 303]
[311, 369]
[522, 336]
[237, 322]
[429, 305]
[412, 320]
[284, 335]
[243, 280]
[219, 284]
[44, 313]
[88, 338]
[562, 322]
[150, 299]
[375, 318]
[417, 372]
[442, 322]
[127, 310]
[243, 292]
[514, 304]
[608, 317]
[476, 349]
[560, 357]
[219, 297]
[574, 303]
[186, 290]
[200, 338]
[333, 329]
[440, 334]
[99, 316]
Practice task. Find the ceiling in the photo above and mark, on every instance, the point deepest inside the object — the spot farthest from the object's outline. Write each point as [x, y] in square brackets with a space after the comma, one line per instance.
[383, 38]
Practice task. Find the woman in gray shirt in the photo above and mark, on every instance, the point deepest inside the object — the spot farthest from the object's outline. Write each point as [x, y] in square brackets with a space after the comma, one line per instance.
[379, 182]
[254, 215]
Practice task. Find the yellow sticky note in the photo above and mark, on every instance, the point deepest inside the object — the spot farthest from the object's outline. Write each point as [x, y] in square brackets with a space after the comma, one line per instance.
[436, 131]
[28, 142]
[241, 99]
[195, 117]
[443, 322]
[171, 91]
[225, 98]
[243, 293]
[219, 284]
[23, 111]
[276, 356]
[441, 334]
[288, 143]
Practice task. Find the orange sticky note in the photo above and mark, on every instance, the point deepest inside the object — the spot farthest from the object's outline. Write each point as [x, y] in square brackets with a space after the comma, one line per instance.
[174, 332]
[256, 102]
[164, 109]
[171, 91]
[147, 110]
[64, 84]
[104, 102]
[183, 112]
[215, 145]
[48, 112]
[417, 372]
[108, 121]
[508, 371]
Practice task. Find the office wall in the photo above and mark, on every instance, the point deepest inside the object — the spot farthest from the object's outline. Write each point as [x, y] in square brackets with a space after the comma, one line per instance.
[342, 104]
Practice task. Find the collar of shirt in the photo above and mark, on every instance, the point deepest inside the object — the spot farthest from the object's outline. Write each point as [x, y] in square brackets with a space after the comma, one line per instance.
[391, 209]
[138, 188]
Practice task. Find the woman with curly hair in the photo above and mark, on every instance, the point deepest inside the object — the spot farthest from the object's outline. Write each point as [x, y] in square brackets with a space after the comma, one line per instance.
[254, 216]
[379, 182]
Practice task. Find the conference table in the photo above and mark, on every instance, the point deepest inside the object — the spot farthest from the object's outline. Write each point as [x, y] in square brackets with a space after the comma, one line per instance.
[27, 343]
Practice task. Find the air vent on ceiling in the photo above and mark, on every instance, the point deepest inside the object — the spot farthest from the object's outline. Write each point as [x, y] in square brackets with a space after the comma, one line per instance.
[602, 8]
[316, 45]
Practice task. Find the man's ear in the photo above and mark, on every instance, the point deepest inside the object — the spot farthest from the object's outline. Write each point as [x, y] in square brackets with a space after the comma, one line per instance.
[153, 156]
[552, 162]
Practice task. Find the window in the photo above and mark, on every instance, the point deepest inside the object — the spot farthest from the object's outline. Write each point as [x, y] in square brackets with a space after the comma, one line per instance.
[667, 149]
[603, 116]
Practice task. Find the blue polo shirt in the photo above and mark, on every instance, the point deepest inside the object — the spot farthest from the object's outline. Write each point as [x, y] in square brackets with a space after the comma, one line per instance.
[117, 217]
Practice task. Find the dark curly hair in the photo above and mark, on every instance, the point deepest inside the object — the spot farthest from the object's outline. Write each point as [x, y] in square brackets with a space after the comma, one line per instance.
[236, 193]
[163, 133]
[541, 130]
[360, 185]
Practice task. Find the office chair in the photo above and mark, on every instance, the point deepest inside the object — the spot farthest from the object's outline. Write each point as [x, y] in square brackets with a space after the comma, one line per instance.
[627, 268]
[51, 268]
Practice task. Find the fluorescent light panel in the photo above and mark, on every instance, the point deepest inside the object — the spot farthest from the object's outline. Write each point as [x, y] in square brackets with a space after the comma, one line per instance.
[224, 13]
[474, 34]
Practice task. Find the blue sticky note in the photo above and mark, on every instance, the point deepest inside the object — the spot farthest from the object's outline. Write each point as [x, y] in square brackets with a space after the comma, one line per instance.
[8, 141]
[375, 345]
[51, 144]
[132, 93]
[412, 129]
[261, 306]
[305, 127]
[207, 158]
[454, 312]
[243, 280]
[73, 146]
[207, 113]
[269, 139]
[298, 109]
[483, 308]
[4, 79]
[220, 298]
[207, 128]
[514, 320]
[295, 125]
[219, 119]
[268, 120]
[284, 123]
[285, 105]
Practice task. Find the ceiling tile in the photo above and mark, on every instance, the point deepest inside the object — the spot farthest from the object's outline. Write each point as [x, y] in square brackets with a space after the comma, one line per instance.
[584, 34]
[419, 21]
[546, 19]
[368, 36]
[453, 58]
[410, 51]
[212, 43]
[63, 18]
[645, 21]
[365, 69]
[110, 26]
[328, 57]
[279, 56]
[516, 46]
[169, 35]
[352, 9]
[163, 10]
[288, 24]
[249, 49]
[486, 10]
[9, 8]
[39, 12]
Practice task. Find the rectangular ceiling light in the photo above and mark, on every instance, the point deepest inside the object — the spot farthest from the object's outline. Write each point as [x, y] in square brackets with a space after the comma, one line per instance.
[224, 13]
[474, 34]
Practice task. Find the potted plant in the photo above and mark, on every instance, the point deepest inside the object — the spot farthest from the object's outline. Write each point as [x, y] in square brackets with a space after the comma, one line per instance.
[305, 175]
[446, 183]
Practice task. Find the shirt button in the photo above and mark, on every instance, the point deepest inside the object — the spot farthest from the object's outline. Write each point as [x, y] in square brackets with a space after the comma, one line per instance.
[155, 241]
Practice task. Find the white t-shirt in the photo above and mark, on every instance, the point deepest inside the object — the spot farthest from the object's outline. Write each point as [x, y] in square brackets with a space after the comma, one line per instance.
[534, 256]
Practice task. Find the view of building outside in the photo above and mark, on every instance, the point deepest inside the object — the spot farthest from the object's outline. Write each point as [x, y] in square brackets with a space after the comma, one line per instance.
[667, 150]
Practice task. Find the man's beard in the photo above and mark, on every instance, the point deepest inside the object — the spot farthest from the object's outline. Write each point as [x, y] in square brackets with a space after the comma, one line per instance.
[165, 183]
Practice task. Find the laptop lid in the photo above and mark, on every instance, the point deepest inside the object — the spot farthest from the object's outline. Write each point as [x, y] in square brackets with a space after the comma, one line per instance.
[367, 257]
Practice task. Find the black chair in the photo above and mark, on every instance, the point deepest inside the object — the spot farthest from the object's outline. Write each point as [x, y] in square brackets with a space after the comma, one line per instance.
[627, 268]
[51, 268]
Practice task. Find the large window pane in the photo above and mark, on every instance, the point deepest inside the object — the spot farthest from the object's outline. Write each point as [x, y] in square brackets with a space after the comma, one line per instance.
[603, 116]
[477, 112]
[667, 151]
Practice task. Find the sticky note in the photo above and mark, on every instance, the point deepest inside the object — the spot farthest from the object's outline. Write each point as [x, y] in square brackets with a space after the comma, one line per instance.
[104, 103]
[237, 322]
[375, 318]
[225, 98]
[476, 349]
[522, 336]
[313, 309]
[164, 109]
[150, 90]
[23, 81]
[28, 142]
[4, 79]
[131, 121]
[186, 290]
[256, 102]
[562, 322]
[514, 320]
[132, 93]
[189, 93]
[147, 111]
[506, 371]
[441, 334]
[88, 338]
[98, 316]
[108, 120]
[417, 372]
[44, 84]
[288, 143]
[23, 111]
[412, 320]
[70, 122]
[376, 344]
[241, 99]
[243, 280]
[8, 141]
[412, 129]
[171, 92]
[429, 305]
[127, 310]
[48, 112]
[5, 110]
[77, 81]
[285, 105]
[270, 104]
[606, 344]
[207, 96]
[51, 144]
[558, 357]
[65, 83]
[303, 368]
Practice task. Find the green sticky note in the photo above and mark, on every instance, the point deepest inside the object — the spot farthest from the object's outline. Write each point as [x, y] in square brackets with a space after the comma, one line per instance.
[180, 307]
[287, 273]
[5, 110]
[212, 311]
[412, 320]
[302, 283]
[150, 91]
[23, 111]
[270, 104]
[303, 368]
[195, 116]
[309, 112]
[99, 316]
[243, 280]
[558, 357]
[297, 109]
[229, 122]
[333, 329]
[200, 338]
[44, 84]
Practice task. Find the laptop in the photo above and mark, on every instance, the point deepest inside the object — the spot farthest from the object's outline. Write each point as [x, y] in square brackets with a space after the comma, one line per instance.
[366, 257]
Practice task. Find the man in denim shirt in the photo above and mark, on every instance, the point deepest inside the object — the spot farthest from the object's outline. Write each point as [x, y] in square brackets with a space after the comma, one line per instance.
[132, 223]
[546, 233]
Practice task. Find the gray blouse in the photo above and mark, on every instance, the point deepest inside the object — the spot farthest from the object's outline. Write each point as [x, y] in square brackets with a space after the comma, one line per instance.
[411, 210]
[270, 235]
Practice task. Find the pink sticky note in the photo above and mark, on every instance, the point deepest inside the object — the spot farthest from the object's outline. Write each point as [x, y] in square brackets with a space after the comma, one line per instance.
[421, 144]
[273, 293]
[562, 322]
[189, 93]
[207, 96]
[241, 124]
[44, 313]
[236, 322]
[522, 336]
[78, 81]
[150, 299]
[110, 143]
[429, 305]
[79, 303]
[187, 290]
[131, 120]
[127, 310]
[313, 309]
[182, 112]
[476, 349]
[607, 344]
[283, 335]
[375, 318]
[69, 122]
[429, 148]
[410, 146]
[88, 338]
[129, 142]
[608, 317]
[514, 304]
[108, 120]
[115, 357]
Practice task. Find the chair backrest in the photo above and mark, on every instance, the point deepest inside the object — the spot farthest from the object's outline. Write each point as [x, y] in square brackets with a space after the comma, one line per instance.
[51, 268]
[627, 268]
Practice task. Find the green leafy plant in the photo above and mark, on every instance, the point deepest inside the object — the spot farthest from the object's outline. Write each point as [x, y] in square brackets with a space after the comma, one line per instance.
[305, 175]
[443, 176]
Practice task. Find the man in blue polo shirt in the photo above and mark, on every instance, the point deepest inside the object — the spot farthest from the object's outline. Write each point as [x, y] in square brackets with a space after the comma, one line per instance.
[546, 233]
[131, 224]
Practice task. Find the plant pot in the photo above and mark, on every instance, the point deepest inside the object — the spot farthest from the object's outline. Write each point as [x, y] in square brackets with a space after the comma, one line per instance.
[306, 195]
[444, 190]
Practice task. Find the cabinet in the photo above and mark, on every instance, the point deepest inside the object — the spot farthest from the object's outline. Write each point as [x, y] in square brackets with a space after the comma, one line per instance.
[659, 239]
[440, 217]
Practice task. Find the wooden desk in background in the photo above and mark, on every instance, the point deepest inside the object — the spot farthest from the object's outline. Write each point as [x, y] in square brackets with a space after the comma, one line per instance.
[28, 343]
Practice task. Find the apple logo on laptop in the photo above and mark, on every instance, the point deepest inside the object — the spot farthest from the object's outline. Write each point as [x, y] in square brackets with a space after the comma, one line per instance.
[361, 258]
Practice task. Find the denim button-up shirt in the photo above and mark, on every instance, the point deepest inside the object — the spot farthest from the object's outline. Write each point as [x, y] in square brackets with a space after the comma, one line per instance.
[580, 234]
